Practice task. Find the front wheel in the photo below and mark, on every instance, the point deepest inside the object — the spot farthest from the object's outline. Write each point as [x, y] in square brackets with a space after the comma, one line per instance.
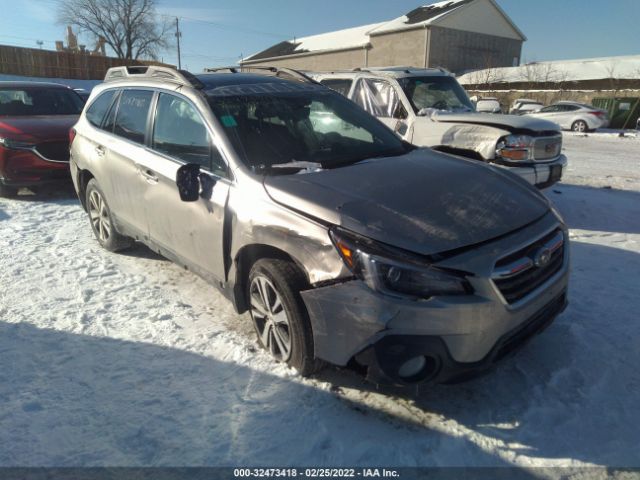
[580, 126]
[279, 316]
[101, 220]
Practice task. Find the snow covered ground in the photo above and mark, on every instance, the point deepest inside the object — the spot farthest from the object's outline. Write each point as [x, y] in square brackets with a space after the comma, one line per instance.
[125, 359]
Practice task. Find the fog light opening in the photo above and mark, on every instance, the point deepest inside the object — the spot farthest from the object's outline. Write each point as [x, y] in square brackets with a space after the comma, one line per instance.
[412, 367]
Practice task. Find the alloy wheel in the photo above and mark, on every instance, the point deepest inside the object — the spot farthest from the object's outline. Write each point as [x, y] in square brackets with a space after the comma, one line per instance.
[579, 126]
[270, 318]
[99, 216]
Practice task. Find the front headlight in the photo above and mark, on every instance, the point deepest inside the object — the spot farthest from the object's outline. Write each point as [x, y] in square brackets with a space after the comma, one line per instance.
[515, 148]
[394, 272]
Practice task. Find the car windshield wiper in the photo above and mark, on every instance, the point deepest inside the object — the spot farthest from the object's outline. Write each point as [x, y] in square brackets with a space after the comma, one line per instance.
[371, 156]
[289, 167]
[301, 164]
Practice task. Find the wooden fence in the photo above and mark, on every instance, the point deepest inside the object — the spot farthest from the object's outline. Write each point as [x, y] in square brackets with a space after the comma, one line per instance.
[32, 62]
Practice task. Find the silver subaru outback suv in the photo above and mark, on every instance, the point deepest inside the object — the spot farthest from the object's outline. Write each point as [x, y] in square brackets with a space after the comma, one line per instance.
[345, 244]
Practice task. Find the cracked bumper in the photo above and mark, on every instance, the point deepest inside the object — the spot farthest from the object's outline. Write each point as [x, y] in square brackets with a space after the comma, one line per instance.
[462, 333]
[542, 175]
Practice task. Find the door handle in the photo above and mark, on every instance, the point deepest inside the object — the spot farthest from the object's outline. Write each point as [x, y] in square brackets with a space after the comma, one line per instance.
[100, 151]
[149, 174]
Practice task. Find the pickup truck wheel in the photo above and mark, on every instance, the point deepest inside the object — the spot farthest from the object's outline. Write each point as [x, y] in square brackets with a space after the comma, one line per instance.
[279, 316]
[579, 126]
[101, 220]
[8, 192]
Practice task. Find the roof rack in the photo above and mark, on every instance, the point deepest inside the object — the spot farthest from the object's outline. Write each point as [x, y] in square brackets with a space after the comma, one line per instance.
[152, 72]
[275, 71]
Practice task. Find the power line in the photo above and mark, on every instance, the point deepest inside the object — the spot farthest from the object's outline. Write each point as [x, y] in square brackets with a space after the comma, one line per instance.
[232, 27]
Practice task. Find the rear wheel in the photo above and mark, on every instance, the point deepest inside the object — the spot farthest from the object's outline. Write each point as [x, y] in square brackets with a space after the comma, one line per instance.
[279, 316]
[6, 191]
[580, 126]
[101, 220]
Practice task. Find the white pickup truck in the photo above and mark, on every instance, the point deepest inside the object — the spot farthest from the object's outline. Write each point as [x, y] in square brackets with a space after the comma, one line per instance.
[428, 107]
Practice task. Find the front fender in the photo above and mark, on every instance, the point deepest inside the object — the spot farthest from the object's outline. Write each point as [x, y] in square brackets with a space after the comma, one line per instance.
[258, 221]
[480, 138]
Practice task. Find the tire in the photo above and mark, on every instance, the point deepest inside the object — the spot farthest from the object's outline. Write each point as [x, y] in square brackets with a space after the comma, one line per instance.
[7, 191]
[101, 220]
[580, 126]
[283, 316]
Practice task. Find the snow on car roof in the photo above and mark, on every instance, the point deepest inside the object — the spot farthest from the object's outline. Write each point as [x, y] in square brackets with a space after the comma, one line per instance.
[622, 67]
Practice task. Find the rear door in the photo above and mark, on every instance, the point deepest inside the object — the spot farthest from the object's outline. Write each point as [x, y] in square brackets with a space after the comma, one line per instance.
[124, 183]
[190, 231]
[566, 115]
[549, 113]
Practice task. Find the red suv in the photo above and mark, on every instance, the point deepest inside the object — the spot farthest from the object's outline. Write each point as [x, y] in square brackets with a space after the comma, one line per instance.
[35, 120]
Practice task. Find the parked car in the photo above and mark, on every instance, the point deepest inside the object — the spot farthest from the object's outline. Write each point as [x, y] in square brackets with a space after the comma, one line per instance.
[525, 105]
[574, 116]
[35, 119]
[82, 93]
[429, 108]
[488, 105]
[342, 241]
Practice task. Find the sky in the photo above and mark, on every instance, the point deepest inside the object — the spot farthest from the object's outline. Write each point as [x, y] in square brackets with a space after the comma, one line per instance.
[219, 32]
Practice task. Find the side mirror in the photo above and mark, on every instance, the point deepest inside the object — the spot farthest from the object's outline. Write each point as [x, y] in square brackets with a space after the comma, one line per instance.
[188, 182]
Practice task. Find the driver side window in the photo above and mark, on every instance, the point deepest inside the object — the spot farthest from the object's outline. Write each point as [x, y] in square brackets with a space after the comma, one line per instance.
[178, 131]
[379, 98]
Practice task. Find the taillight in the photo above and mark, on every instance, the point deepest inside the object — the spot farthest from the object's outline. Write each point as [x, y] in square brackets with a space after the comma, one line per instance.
[597, 114]
[72, 135]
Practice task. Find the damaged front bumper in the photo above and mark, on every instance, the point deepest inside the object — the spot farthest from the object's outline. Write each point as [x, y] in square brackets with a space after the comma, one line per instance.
[541, 175]
[456, 335]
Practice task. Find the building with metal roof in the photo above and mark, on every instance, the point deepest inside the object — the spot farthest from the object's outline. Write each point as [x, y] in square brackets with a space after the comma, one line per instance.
[458, 35]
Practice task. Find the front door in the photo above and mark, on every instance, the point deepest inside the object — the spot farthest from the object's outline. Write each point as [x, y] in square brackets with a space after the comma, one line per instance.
[380, 99]
[190, 231]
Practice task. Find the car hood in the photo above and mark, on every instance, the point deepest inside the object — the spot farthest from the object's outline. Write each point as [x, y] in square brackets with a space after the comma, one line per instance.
[37, 128]
[424, 201]
[508, 122]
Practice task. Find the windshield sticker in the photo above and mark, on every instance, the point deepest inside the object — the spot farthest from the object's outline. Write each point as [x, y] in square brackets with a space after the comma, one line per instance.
[228, 121]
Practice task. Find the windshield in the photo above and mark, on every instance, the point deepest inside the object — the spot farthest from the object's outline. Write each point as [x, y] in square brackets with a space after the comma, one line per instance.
[39, 101]
[278, 129]
[441, 93]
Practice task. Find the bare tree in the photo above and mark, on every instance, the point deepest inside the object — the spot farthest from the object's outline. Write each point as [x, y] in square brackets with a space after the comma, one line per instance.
[130, 27]
[614, 81]
[489, 74]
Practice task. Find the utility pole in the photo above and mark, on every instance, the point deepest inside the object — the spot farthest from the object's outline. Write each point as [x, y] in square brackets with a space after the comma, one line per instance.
[178, 35]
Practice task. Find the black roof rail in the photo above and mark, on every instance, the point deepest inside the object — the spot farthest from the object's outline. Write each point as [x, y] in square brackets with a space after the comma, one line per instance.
[275, 71]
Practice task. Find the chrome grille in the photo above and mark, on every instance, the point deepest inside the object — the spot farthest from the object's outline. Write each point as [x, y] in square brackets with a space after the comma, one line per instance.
[547, 148]
[520, 273]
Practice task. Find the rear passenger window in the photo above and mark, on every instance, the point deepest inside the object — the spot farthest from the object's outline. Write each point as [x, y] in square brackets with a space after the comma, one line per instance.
[99, 107]
[179, 132]
[131, 119]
